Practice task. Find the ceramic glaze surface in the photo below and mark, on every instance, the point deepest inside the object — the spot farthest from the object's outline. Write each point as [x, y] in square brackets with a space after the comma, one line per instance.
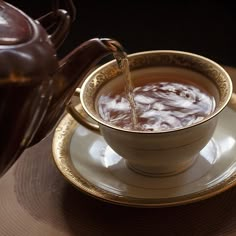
[158, 152]
[35, 86]
[86, 160]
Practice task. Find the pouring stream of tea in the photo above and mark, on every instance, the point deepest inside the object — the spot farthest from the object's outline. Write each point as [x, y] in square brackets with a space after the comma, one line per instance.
[123, 64]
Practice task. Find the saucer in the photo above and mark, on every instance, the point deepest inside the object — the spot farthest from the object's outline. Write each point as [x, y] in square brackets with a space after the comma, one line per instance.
[85, 160]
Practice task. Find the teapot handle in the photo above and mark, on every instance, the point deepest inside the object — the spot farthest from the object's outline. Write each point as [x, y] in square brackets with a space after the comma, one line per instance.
[59, 23]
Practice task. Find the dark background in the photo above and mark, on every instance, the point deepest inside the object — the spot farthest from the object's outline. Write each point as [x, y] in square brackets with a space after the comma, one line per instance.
[203, 27]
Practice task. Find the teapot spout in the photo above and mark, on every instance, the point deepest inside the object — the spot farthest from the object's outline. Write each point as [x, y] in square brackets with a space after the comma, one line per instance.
[72, 69]
[80, 61]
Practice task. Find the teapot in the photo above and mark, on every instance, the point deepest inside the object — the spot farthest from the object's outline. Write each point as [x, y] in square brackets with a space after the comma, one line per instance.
[35, 86]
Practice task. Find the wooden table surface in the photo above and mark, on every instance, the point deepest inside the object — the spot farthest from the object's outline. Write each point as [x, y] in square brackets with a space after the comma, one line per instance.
[36, 200]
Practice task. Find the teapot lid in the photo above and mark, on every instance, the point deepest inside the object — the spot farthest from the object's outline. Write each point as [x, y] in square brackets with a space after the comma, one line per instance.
[15, 27]
[25, 48]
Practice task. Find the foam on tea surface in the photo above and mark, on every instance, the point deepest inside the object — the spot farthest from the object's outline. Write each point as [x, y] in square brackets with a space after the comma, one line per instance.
[164, 100]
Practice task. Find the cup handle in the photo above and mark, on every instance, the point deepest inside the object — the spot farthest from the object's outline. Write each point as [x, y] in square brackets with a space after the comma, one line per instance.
[59, 23]
[78, 113]
[232, 102]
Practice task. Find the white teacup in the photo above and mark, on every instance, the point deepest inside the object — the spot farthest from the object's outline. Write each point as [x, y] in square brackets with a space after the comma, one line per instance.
[164, 152]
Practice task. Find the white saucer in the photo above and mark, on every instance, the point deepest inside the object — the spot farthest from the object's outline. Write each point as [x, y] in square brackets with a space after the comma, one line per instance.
[86, 161]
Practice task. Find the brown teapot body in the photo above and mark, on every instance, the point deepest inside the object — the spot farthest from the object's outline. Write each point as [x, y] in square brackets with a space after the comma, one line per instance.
[34, 86]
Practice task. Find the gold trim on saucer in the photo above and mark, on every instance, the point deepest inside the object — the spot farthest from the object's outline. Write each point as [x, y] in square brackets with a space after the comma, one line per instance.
[61, 155]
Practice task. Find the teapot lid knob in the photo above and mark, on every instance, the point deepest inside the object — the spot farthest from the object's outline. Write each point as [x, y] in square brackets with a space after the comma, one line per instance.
[15, 27]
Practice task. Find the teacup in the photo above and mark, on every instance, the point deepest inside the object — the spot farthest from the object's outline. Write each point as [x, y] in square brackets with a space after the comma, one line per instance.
[157, 153]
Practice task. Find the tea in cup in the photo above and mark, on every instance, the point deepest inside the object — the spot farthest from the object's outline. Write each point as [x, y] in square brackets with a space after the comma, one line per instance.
[178, 97]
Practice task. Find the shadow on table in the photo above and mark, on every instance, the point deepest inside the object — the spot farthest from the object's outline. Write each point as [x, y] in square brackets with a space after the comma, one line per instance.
[93, 217]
